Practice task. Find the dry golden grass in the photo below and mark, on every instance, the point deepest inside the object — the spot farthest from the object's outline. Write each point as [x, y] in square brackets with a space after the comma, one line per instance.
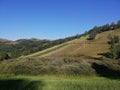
[80, 48]
[46, 51]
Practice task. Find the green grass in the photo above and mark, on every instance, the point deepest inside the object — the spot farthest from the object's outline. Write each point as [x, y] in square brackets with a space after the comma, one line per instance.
[58, 83]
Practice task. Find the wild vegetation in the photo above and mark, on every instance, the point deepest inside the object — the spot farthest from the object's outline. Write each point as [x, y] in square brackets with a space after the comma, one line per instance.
[114, 42]
[54, 66]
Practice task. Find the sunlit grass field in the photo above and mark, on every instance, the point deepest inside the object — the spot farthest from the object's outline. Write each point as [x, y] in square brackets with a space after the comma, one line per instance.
[58, 83]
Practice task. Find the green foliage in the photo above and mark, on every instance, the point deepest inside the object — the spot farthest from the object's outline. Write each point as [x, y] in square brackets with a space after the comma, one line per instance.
[42, 66]
[91, 36]
[113, 39]
[118, 24]
[114, 43]
[4, 55]
[36, 66]
[116, 53]
[99, 29]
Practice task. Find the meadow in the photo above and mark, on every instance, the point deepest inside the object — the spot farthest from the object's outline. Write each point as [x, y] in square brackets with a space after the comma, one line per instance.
[45, 82]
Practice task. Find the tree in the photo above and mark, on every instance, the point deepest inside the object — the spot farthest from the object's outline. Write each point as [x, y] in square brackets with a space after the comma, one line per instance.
[113, 26]
[105, 28]
[116, 52]
[114, 43]
[91, 36]
[4, 56]
[118, 24]
[93, 32]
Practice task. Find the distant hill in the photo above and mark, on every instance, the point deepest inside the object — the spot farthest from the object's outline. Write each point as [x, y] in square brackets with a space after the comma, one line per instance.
[24, 47]
[4, 40]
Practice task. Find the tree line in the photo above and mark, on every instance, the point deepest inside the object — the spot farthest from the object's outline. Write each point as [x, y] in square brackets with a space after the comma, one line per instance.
[99, 29]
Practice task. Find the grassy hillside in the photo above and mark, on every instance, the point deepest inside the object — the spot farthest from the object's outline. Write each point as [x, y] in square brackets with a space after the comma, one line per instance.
[76, 57]
[80, 48]
[22, 47]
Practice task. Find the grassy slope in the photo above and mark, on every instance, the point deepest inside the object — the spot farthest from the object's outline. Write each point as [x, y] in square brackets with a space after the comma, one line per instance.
[47, 51]
[58, 83]
[80, 48]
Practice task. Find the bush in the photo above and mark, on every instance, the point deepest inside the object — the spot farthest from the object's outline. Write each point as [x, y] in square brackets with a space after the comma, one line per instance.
[36, 66]
[43, 66]
[4, 56]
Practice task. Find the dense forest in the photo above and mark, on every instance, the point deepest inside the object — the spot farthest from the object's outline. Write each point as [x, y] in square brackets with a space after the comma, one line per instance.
[14, 49]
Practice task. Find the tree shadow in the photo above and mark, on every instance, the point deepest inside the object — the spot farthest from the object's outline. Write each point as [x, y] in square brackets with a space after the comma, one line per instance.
[20, 84]
[105, 71]
[107, 54]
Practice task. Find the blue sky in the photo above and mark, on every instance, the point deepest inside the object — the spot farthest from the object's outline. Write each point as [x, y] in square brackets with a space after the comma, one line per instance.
[53, 19]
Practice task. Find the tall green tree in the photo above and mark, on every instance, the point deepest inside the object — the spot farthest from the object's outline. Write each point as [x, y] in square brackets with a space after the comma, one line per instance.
[114, 43]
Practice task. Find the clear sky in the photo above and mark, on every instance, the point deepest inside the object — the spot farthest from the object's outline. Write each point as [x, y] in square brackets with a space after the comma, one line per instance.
[53, 19]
